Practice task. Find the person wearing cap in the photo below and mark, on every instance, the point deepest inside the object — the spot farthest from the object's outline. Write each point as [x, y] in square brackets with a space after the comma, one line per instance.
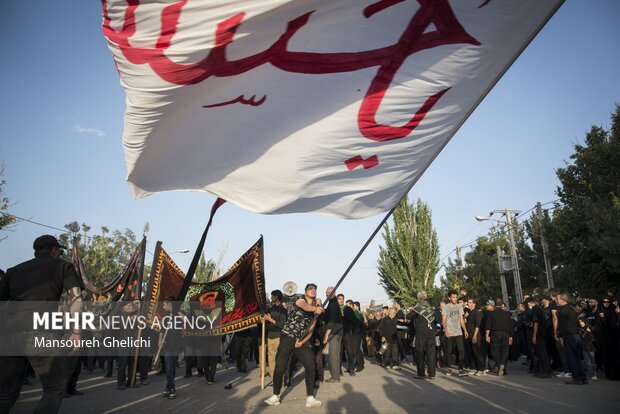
[294, 339]
[486, 347]
[42, 279]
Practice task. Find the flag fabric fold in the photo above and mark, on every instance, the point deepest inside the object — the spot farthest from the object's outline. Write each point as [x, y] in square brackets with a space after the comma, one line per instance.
[282, 106]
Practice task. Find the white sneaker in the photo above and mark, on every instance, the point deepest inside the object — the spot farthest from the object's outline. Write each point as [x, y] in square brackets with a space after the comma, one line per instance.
[561, 374]
[568, 375]
[311, 402]
[273, 400]
[594, 378]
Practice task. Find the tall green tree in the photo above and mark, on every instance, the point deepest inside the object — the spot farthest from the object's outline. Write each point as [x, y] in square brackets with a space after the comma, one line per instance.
[410, 259]
[206, 270]
[585, 230]
[104, 255]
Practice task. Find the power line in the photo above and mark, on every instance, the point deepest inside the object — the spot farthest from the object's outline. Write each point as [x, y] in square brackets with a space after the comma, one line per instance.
[33, 222]
[504, 232]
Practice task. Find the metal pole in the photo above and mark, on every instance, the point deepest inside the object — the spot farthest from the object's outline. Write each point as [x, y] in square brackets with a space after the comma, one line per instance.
[515, 260]
[502, 278]
[548, 270]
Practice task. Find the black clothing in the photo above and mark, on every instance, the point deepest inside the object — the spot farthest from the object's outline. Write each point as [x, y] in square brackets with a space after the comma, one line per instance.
[297, 323]
[242, 349]
[539, 317]
[499, 321]
[350, 322]
[373, 327]
[279, 314]
[500, 325]
[305, 355]
[475, 317]
[173, 341]
[333, 316]
[348, 339]
[567, 321]
[449, 343]
[424, 338]
[387, 329]
[41, 279]
[541, 354]
[423, 327]
[499, 347]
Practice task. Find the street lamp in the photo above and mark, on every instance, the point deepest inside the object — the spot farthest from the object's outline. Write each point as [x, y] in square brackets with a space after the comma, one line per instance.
[513, 250]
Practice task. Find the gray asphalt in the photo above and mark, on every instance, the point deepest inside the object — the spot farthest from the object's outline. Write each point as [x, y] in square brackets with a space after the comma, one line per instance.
[374, 390]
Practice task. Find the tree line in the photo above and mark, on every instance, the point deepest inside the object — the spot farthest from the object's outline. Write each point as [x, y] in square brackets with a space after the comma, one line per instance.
[582, 230]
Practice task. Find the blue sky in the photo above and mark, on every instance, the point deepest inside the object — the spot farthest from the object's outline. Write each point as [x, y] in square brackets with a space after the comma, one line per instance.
[61, 148]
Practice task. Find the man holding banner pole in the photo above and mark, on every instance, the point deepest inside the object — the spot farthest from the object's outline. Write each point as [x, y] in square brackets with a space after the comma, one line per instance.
[295, 336]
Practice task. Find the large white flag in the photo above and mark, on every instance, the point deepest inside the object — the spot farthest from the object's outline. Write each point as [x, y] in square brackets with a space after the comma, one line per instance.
[328, 106]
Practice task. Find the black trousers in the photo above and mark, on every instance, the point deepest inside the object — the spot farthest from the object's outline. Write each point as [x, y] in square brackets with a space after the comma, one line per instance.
[357, 348]
[305, 355]
[478, 354]
[242, 351]
[125, 366]
[51, 371]
[391, 356]
[318, 360]
[540, 352]
[499, 347]
[74, 364]
[144, 366]
[460, 348]
[425, 354]
[349, 347]
[209, 363]
[402, 344]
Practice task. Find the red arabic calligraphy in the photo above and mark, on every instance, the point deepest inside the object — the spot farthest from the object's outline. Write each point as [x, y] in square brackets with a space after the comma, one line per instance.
[417, 36]
[240, 313]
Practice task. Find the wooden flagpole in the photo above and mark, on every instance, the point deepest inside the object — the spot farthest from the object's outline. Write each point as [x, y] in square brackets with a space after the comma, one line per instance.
[140, 270]
[262, 358]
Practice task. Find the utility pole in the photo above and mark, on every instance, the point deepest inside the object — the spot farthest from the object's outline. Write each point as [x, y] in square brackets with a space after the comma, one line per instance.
[459, 258]
[545, 248]
[502, 278]
[515, 260]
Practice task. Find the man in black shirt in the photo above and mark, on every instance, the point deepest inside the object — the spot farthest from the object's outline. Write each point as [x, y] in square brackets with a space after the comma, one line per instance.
[275, 318]
[389, 337]
[358, 335]
[423, 317]
[333, 333]
[349, 327]
[499, 334]
[42, 279]
[473, 325]
[568, 335]
[541, 365]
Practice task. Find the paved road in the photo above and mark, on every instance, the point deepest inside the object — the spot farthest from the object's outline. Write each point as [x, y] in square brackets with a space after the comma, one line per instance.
[375, 390]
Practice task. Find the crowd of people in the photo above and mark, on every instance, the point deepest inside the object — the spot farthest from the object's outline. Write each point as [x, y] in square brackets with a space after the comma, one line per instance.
[558, 336]
[578, 341]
